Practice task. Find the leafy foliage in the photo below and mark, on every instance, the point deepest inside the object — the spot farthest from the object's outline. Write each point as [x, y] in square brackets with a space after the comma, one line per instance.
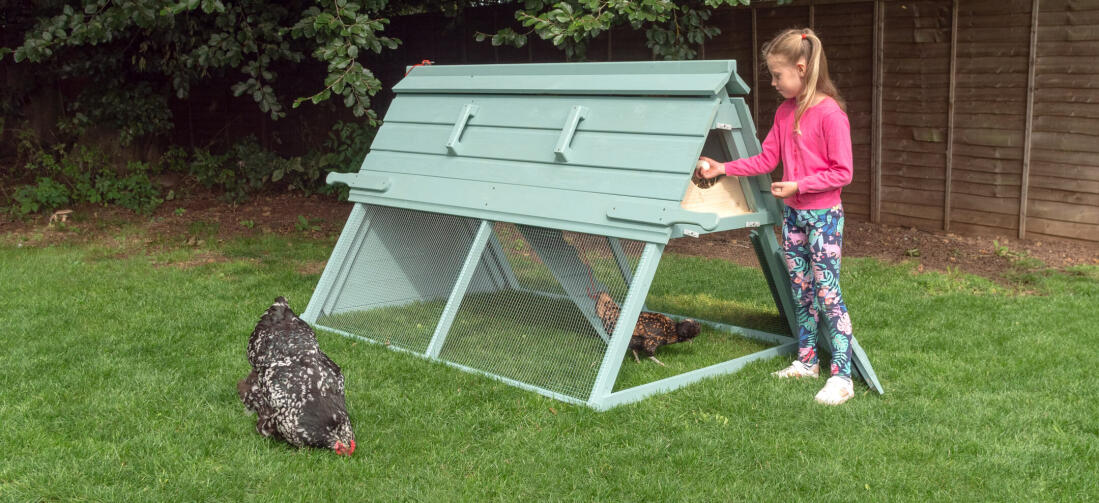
[246, 167]
[673, 30]
[339, 36]
[126, 58]
[83, 175]
[190, 40]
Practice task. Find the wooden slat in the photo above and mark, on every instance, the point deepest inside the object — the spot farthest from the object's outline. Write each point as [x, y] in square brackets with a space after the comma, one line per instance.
[1065, 212]
[676, 116]
[1054, 124]
[1069, 196]
[1051, 166]
[1008, 207]
[974, 176]
[1055, 111]
[935, 161]
[1068, 81]
[986, 190]
[655, 185]
[1002, 154]
[1087, 96]
[908, 218]
[1069, 142]
[611, 150]
[930, 185]
[1010, 120]
[979, 223]
[1060, 229]
[988, 137]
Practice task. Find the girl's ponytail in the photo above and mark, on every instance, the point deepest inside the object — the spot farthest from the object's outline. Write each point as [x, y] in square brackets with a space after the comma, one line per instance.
[793, 45]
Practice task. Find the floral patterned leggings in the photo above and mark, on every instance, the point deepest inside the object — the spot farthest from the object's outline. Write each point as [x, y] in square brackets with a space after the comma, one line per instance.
[811, 242]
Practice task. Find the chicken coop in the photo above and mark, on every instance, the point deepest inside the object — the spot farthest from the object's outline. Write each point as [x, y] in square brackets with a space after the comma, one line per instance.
[498, 201]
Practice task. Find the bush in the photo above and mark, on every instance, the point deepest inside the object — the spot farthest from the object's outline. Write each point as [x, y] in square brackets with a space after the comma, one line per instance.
[83, 175]
[246, 167]
[46, 194]
[80, 174]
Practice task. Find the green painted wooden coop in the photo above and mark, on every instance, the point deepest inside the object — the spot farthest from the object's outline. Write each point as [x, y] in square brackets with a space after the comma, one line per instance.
[498, 200]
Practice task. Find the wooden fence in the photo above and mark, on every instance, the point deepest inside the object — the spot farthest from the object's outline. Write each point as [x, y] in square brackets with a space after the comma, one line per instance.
[972, 116]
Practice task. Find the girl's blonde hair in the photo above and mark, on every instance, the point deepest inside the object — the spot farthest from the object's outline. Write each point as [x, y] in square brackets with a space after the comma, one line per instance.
[794, 45]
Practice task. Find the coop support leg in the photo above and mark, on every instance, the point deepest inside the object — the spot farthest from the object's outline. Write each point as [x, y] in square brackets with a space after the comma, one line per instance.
[502, 262]
[620, 259]
[460, 288]
[572, 273]
[631, 309]
[773, 265]
[336, 270]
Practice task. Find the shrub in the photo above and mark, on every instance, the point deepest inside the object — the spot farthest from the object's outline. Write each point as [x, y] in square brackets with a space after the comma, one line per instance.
[83, 175]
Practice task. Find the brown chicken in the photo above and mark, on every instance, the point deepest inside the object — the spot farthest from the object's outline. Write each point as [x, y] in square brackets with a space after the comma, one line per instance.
[652, 330]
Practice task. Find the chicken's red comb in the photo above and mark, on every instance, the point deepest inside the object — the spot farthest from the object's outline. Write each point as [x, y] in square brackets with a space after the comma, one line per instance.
[344, 450]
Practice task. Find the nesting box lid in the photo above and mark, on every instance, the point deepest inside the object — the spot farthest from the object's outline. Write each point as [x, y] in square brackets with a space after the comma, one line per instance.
[601, 148]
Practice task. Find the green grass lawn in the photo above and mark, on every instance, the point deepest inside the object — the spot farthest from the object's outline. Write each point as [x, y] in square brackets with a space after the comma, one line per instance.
[118, 384]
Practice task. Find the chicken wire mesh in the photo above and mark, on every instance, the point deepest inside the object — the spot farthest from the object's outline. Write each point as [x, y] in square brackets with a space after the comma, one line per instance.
[541, 329]
[399, 278]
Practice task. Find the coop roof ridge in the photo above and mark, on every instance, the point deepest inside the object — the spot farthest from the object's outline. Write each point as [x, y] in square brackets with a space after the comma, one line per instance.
[668, 78]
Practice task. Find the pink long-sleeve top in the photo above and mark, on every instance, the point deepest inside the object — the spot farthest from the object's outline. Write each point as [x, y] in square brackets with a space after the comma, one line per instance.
[819, 159]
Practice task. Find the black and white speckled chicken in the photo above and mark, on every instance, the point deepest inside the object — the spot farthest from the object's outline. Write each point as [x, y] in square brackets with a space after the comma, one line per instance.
[294, 388]
[652, 330]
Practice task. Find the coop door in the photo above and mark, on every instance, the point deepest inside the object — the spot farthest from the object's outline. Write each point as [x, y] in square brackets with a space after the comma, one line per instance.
[723, 195]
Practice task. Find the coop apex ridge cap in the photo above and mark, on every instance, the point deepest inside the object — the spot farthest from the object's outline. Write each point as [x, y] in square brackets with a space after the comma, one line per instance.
[685, 78]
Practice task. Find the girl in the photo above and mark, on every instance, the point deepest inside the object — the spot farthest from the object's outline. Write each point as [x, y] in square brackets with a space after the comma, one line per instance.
[812, 138]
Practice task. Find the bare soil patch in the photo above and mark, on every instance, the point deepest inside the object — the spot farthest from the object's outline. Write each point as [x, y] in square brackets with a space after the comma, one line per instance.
[201, 217]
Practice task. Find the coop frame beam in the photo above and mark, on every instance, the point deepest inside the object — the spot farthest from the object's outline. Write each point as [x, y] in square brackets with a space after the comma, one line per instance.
[631, 310]
[335, 271]
[473, 258]
[671, 383]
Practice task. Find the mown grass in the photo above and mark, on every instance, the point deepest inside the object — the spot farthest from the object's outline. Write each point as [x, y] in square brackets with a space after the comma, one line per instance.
[119, 372]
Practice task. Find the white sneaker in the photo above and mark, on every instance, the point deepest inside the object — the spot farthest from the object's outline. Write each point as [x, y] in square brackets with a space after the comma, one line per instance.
[836, 391]
[798, 369]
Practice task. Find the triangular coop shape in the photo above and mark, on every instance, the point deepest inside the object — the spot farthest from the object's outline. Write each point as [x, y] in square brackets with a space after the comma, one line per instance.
[498, 201]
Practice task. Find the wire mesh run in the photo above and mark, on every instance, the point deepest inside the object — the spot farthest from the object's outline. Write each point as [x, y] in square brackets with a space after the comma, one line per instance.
[541, 329]
[398, 277]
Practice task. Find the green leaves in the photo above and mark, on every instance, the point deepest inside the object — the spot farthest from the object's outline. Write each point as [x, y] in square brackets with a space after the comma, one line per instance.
[673, 30]
[182, 41]
[341, 35]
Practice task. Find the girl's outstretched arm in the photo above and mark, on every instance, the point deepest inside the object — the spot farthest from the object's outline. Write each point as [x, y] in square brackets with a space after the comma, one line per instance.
[764, 162]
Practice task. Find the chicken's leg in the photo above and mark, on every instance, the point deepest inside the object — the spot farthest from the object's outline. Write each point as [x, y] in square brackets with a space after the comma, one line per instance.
[653, 358]
[635, 358]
